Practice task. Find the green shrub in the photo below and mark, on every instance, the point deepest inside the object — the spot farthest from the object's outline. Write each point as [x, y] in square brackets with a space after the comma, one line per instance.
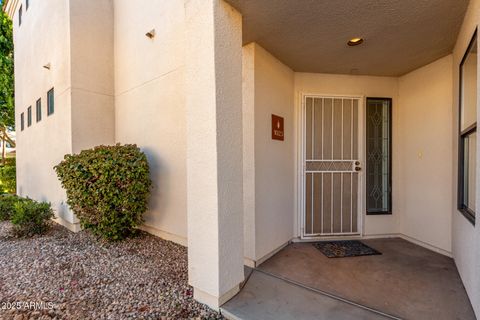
[8, 179]
[107, 188]
[7, 206]
[31, 217]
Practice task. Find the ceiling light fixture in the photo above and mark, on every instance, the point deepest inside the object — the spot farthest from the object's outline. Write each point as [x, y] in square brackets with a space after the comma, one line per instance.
[355, 42]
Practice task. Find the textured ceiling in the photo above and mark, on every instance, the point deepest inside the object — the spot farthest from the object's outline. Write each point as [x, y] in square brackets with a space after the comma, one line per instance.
[312, 35]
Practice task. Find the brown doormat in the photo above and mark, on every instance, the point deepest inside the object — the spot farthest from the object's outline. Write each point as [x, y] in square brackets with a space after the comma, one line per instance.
[342, 249]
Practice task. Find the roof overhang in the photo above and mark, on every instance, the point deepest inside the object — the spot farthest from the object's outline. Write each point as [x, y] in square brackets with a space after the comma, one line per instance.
[312, 35]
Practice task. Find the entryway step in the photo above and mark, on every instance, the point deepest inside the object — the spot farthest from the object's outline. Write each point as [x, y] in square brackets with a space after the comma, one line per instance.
[267, 297]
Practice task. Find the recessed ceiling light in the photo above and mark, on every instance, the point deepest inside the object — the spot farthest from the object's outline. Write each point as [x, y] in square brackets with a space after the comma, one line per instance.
[355, 42]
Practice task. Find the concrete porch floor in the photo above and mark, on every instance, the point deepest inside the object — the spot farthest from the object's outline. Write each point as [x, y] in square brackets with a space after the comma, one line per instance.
[406, 282]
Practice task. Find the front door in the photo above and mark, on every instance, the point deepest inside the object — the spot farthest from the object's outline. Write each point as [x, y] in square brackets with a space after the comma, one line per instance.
[331, 166]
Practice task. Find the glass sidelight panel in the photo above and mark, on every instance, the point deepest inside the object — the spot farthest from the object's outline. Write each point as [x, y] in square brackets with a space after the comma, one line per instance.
[379, 155]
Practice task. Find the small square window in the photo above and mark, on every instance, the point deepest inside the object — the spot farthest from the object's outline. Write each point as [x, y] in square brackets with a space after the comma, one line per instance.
[22, 121]
[39, 110]
[20, 13]
[29, 116]
[50, 102]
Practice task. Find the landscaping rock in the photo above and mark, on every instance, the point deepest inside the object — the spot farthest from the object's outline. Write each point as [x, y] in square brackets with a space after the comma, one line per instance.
[63, 275]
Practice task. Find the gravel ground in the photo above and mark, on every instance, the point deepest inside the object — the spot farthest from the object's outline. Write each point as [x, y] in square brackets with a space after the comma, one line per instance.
[77, 277]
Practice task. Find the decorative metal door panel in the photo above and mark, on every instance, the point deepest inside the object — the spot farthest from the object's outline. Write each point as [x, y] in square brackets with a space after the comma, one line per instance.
[331, 158]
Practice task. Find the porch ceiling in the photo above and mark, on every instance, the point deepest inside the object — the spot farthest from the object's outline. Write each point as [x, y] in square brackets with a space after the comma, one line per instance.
[312, 35]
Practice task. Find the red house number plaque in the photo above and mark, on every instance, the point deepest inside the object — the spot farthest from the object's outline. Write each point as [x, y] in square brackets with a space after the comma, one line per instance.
[277, 128]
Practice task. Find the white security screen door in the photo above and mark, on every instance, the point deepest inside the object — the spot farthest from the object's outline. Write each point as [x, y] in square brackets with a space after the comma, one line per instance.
[331, 156]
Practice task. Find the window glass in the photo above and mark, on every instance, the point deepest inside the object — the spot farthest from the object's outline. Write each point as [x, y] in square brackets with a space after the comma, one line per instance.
[378, 169]
[29, 116]
[50, 102]
[39, 110]
[468, 132]
[470, 156]
[469, 88]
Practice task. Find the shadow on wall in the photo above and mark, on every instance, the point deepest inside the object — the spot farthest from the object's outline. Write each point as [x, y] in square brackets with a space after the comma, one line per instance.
[61, 209]
[158, 201]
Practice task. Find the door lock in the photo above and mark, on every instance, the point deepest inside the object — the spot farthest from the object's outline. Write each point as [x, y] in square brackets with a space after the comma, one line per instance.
[358, 169]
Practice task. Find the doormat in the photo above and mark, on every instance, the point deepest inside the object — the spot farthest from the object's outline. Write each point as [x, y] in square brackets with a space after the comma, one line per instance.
[342, 249]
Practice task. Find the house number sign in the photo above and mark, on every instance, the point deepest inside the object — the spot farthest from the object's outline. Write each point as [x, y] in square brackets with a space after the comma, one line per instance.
[277, 128]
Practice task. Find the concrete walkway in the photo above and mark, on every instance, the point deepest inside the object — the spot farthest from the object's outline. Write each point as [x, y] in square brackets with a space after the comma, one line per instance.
[405, 282]
[265, 296]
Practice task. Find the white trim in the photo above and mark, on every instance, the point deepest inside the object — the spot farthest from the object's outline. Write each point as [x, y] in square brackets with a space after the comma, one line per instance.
[379, 236]
[321, 95]
[164, 234]
[426, 245]
[301, 166]
[332, 238]
[341, 160]
[297, 169]
[74, 227]
[213, 301]
[255, 263]
[333, 171]
[362, 185]
[320, 236]
[249, 262]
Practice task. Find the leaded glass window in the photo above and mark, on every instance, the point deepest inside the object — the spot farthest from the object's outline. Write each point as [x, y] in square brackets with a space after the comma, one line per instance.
[379, 155]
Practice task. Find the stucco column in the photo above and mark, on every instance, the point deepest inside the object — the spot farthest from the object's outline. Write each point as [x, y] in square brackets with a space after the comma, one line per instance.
[214, 149]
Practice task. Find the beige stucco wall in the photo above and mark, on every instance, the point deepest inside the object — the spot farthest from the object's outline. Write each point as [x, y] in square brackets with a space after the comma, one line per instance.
[425, 153]
[365, 86]
[133, 91]
[248, 127]
[150, 104]
[465, 236]
[83, 86]
[91, 30]
[213, 81]
[44, 144]
[270, 196]
[269, 164]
